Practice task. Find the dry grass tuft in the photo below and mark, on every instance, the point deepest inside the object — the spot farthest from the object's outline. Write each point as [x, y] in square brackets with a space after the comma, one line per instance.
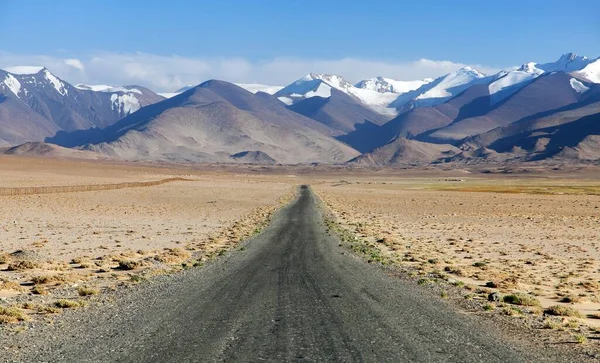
[12, 315]
[173, 255]
[561, 310]
[22, 265]
[11, 285]
[521, 299]
[46, 279]
[66, 304]
[129, 264]
[39, 290]
[87, 291]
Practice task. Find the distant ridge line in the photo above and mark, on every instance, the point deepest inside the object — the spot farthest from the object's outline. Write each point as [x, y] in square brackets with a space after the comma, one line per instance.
[83, 188]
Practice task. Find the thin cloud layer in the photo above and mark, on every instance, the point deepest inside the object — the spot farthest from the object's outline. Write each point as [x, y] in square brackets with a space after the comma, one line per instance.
[168, 73]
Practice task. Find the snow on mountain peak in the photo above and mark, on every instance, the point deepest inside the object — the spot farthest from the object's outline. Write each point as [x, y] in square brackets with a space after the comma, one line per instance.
[24, 70]
[529, 67]
[569, 62]
[590, 72]
[108, 89]
[58, 85]
[13, 84]
[125, 104]
[507, 83]
[318, 84]
[255, 88]
[388, 85]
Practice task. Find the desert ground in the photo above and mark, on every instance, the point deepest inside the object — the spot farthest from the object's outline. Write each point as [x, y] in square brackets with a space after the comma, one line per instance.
[536, 235]
[59, 245]
[529, 232]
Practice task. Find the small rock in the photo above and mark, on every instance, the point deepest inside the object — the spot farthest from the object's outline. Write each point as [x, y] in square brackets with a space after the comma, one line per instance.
[494, 296]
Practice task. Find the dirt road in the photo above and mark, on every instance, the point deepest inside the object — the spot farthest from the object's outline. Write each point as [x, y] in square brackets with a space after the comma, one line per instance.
[290, 294]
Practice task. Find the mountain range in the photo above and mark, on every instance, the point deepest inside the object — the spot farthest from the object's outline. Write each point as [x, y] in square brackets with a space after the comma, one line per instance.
[532, 112]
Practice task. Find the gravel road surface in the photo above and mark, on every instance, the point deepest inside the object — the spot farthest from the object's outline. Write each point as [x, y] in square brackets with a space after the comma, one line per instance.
[291, 294]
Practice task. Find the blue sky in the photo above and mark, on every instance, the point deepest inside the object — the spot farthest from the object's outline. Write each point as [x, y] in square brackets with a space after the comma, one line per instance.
[490, 34]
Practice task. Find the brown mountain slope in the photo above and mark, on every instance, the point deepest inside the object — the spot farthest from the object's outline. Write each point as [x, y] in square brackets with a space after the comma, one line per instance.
[405, 151]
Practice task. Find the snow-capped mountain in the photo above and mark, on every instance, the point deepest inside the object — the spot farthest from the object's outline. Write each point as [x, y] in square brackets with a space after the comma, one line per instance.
[509, 82]
[388, 85]
[567, 63]
[251, 87]
[590, 72]
[255, 88]
[441, 89]
[37, 105]
[320, 85]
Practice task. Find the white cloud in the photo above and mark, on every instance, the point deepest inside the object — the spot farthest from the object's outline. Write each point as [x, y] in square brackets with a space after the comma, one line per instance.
[168, 73]
[76, 63]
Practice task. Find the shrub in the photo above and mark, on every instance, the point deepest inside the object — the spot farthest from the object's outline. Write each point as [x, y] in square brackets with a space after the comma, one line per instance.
[39, 290]
[66, 304]
[87, 291]
[561, 310]
[129, 264]
[570, 299]
[12, 315]
[22, 265]
[45, 279]
[521, 299]
[551, 324]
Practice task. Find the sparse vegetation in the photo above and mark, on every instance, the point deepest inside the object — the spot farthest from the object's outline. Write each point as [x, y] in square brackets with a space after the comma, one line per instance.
[570, 299]
[12, 315]
[39, 290]
[129, 264]
[87, 291]
[551, 323]
[66, 304]
[521, 299]
[489, 307]
[22, 265]
[561, 310]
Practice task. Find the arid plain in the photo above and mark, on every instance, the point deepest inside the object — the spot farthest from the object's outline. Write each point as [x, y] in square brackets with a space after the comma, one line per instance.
[527, 233]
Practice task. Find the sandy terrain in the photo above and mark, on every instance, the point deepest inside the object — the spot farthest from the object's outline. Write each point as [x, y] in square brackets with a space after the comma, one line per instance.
[521, 235]
[59, 243]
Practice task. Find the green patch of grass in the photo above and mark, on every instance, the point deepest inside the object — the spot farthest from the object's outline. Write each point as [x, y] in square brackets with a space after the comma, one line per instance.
[423, 281]
[512, 311]
[458, 283]
[581, 339]
[489, 307]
